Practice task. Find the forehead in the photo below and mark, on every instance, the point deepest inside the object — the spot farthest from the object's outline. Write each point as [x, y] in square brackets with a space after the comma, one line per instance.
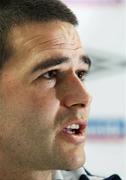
[35, 42]
[55, 34]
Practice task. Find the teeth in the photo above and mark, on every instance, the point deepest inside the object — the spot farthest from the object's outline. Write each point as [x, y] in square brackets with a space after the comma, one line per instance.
[73, 126]
[70, 132]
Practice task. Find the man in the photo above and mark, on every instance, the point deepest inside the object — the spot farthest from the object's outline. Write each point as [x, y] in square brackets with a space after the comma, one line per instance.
[44, 103]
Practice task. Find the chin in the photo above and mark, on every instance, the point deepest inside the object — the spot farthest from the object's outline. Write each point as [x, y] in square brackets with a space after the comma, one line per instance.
[75, 164]
[68, 156]
[72, 162]
[77, 159]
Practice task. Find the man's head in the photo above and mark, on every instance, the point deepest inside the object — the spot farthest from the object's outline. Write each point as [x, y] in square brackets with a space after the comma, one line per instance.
[42, 95]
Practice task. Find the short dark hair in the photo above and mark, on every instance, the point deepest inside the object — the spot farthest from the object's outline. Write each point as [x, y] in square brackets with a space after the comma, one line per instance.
[18, 12]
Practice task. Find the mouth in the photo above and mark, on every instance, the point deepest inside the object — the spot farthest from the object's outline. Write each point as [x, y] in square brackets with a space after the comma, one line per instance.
[74, 132]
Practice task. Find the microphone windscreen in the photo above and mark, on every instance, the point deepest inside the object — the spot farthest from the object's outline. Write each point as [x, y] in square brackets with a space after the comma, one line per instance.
[113, 177]
[83, 177]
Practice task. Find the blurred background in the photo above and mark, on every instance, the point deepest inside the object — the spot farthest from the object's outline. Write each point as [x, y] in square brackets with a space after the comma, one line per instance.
[102, 27]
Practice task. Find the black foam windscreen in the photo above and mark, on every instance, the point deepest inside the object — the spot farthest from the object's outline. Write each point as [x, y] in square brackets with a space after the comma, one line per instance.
[113, 177]
[83, 177]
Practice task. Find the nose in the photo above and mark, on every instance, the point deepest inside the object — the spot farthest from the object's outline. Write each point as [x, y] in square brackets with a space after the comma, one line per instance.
[75, 93]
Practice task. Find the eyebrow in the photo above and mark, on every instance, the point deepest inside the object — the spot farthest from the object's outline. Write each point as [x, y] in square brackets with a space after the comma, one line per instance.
[86, 60]
[54, 61]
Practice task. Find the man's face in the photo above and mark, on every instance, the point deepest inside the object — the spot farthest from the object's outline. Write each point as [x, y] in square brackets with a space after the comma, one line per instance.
[41, 94]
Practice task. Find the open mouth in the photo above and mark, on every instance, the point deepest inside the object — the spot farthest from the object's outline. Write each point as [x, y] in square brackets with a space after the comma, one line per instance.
[75, 129]
[74, 133]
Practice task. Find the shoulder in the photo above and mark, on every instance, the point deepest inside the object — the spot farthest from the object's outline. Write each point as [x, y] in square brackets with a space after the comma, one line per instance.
[81, 174]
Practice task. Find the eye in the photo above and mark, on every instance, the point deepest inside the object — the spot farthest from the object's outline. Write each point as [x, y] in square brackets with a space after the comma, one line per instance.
[81, 75]
[50, 74]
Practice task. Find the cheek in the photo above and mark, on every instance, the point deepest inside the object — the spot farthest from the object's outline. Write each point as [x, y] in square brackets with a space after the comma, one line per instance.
[43, 99]
[45, 104]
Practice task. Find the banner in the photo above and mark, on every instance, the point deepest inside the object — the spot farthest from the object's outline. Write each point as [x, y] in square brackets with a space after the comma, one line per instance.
[107, 129]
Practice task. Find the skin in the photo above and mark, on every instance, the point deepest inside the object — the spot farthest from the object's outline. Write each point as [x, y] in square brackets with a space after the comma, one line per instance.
[34, 105]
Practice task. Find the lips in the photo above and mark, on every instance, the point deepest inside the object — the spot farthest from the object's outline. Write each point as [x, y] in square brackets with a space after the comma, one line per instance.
[74, 131]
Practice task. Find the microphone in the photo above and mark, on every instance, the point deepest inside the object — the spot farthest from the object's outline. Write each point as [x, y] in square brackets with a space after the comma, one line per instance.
[83, 177]
[113, 177]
